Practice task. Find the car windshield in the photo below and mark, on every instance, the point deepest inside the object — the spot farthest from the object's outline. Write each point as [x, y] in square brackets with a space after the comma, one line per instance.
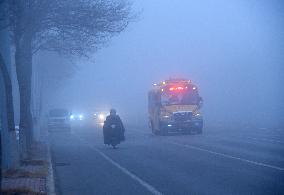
[180, 98]
[58, 112]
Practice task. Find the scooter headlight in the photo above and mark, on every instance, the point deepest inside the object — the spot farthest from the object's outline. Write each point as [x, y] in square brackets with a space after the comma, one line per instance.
[101, 117]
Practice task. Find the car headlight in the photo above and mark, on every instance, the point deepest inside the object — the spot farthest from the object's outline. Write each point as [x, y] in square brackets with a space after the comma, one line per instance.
[81, 116]
[72, 116]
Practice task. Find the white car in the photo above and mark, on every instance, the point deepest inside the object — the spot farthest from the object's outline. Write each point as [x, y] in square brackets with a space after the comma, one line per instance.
[77, 117]
[59, 119]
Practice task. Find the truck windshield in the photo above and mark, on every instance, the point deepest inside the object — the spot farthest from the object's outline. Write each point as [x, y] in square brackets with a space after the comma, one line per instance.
[180, 98]
[58, 112]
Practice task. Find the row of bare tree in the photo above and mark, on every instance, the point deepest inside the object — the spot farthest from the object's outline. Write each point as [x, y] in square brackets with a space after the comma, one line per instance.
[73, 28]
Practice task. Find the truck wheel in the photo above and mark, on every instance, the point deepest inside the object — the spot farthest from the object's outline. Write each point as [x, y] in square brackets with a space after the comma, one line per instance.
[164, 132]
[153, 130]
[199, 131]
[188, 131]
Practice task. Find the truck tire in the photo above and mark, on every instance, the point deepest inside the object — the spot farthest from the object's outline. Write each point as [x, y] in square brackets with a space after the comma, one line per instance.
[152, 129]
[164, 132]
[199, 130]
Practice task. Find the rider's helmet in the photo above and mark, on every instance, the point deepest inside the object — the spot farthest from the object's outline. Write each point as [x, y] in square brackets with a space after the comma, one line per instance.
[112, 111]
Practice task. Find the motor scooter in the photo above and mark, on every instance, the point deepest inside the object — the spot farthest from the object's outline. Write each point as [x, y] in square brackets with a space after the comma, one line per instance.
[114, 138]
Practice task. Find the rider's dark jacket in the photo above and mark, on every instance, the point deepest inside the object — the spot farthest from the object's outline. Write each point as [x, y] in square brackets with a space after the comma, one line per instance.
[118, 130]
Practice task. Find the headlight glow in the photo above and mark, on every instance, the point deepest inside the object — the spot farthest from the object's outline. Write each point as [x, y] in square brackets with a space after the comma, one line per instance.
[72, 116]
[197, 115]
[166, 116]
[101, 117]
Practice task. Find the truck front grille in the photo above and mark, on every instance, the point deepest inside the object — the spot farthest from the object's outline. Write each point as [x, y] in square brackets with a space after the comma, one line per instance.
[182, 116]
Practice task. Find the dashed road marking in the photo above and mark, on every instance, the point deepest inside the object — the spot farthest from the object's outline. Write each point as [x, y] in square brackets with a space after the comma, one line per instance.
[228, 156]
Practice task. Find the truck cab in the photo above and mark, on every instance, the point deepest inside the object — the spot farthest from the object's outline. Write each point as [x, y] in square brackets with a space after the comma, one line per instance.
[174, 106]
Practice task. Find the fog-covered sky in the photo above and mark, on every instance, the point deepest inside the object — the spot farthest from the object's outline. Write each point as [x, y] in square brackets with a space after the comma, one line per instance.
[233, 50]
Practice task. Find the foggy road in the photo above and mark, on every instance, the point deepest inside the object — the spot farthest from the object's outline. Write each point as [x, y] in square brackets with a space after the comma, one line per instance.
[220, 161]
[215, 67]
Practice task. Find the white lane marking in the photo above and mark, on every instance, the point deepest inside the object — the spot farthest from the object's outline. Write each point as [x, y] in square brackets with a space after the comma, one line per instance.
[228, 156]
[262, 128]
[264, 139]
[259, 139]
[149, 187]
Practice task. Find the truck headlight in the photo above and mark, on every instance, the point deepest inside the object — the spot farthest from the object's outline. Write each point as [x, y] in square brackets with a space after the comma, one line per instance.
[197, 115]
[166, 117]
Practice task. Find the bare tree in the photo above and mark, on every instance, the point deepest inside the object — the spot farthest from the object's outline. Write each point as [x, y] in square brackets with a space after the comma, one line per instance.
[6, 131]
[8, 145]
[8, 93]
[70, 27]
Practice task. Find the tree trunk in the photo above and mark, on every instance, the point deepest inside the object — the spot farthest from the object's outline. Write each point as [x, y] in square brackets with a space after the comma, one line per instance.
[9, 94]
[0, 154]
[23, 61]
[11, 148]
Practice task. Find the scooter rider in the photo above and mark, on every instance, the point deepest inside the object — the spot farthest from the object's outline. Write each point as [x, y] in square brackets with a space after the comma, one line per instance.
[113, 126]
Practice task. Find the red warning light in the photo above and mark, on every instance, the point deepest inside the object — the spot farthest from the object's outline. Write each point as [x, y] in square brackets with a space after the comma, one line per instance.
[177, 88]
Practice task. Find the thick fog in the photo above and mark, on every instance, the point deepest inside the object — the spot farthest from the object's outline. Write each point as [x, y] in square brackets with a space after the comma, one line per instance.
[233, 50]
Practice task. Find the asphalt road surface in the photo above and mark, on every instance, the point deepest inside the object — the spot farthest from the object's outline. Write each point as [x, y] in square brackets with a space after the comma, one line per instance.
[220, 161]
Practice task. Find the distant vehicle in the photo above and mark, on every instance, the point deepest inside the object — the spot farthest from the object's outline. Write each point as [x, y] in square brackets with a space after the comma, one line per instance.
[174, 106]
[59, 119]
[77, 117]
[100, 117]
